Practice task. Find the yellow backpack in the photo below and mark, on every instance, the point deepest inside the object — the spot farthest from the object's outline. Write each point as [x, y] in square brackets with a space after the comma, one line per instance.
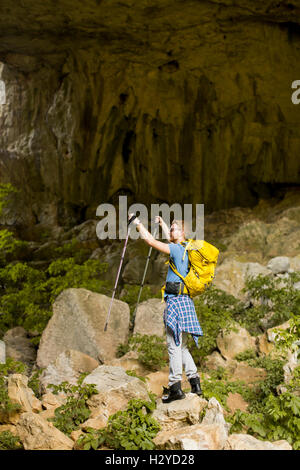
[203, 258]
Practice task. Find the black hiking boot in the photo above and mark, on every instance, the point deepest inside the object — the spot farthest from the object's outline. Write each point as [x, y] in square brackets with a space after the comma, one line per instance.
[174, 392]
[195, 384]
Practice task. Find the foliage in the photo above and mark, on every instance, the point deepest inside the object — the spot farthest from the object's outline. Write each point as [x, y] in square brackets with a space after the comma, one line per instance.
[73, 249]
[151, 348]
[288, 339]
[34, 382]
[131, 429]
[215, 310]
[123, 348]
[75, 411]
[10, 247]
[10, 442]
[246, 355]
[258, 395]
[219, 386]
[280, 420]
[6, 192]
[132, 373]
[29, 292]
[10, 367]
[275, 294]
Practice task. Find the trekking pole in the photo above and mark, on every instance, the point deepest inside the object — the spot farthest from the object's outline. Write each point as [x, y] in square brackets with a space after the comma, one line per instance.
[144, 275]
[119, 270]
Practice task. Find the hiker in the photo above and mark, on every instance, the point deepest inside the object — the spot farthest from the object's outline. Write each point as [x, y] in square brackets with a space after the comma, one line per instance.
[180, 317]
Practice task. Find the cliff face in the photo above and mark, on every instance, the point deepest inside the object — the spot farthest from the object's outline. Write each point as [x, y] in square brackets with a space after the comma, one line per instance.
[165, 101]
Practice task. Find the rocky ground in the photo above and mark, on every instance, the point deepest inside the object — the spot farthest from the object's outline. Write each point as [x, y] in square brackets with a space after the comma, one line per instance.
[263, 240]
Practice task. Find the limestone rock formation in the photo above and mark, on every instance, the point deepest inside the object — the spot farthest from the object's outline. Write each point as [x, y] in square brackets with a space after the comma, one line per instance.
[67, 367]
[149, 100]
[247, 442]
[180, 413]
[234, 342]
[149, 318]
[78, 323]
[19, 393]
[39, 434]
[115, 389]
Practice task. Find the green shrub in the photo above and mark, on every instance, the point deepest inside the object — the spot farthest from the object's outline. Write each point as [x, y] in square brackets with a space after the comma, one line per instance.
[245, 356]
[131, 429]
[10, 442]
[219, 386]
[151, 349]
[6, 192]
[34, 383]
[29, 292]
[10, 247]
[75, 411]
[132, 373]
[215, 310]
[257, 396]
[279, 293]
[280, 420]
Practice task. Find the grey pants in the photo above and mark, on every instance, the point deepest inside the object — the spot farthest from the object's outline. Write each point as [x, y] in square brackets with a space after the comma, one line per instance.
[179, 356]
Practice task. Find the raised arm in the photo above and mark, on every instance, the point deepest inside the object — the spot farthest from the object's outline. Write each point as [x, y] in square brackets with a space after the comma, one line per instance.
[164, 226]
[149, 239]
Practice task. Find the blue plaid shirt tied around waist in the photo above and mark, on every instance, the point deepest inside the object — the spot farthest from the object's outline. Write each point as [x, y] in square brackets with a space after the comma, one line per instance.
[180, 315]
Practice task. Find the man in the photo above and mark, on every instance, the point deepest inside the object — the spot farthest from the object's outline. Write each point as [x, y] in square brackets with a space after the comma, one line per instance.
[179, 316]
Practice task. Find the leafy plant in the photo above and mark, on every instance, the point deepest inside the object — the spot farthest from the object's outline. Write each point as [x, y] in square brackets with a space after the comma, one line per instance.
[215, 310]
[28, 293]
[75, 411]
[132, 373]
[258, 395]
[34, 382]
[130, 429]
[288, 339]
[276, 294]
[151, 348]
[10, 442]
[219, 386]
[6, 192]
[245, 356]
[280, 420]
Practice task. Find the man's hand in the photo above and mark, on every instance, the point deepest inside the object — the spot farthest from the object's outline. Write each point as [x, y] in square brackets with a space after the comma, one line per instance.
[158, 220]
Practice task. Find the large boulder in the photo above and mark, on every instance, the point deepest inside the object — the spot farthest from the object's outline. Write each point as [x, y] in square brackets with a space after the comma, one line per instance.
[210, 434]
[115, 388]
[194, 437]
[179, 413]
[77, 323]
[68, 366]
[279, 264]
[149, 318]
[247, 442]
[131, 362]
[38, 434]
[231, 343]
[231, 276]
